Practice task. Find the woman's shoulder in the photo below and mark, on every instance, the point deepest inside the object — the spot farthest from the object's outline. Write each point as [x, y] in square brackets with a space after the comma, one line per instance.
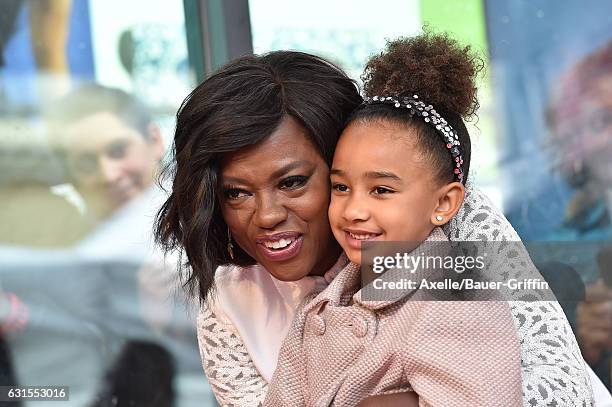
[479, 219]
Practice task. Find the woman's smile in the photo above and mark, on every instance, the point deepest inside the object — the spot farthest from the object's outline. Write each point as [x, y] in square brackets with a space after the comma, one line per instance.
[280, 246]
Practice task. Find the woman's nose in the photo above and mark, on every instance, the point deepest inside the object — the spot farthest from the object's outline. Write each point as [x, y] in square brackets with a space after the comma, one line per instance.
[269, 211]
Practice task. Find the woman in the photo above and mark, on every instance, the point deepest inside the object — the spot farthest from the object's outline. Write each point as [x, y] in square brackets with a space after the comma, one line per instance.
[249, 207]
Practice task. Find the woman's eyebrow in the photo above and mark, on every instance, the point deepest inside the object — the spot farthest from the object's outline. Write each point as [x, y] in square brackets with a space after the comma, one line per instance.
[291, 166]
[276, 174]
[234, 180]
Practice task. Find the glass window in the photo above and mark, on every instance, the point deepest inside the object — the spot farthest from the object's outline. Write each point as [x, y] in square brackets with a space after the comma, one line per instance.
[349, 35]
[88, 94]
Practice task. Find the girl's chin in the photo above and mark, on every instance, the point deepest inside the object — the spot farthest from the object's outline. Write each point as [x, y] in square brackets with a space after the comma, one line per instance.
[353, 255]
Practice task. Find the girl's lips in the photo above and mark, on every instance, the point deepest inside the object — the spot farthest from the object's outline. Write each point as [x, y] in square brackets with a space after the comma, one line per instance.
[356, 243]
[283, 254]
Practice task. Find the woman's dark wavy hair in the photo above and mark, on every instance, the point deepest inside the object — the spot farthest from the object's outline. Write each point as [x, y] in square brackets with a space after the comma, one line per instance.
[237, 107]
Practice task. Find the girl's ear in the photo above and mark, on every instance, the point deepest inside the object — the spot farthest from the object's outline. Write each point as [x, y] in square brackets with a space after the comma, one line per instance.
[450, 199]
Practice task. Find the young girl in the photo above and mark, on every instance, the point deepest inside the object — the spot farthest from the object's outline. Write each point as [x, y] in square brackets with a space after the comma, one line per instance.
[398, 174]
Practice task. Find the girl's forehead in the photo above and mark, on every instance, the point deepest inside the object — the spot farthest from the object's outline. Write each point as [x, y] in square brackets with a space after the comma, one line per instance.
[368, 149]
[382, 141]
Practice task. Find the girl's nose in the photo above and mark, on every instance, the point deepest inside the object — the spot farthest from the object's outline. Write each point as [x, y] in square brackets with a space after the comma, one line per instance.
[356, 210]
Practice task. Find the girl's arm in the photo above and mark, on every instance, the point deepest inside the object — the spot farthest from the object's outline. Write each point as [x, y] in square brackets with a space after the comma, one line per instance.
[227, 364]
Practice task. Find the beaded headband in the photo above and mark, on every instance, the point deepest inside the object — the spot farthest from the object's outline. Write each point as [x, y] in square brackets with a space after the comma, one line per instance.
[430, 116]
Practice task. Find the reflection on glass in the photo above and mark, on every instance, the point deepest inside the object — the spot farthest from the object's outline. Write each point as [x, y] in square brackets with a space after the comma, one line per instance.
[86, 299]
[346, 35]
[551, 84]
[580, 119]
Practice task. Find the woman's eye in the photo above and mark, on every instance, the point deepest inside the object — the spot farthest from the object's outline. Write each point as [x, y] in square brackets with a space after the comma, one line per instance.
[293, 182]
[234, 193]
[339, 187]
[382, 190]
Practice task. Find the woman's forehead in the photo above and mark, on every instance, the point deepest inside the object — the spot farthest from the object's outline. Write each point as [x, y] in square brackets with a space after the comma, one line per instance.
[289, 143]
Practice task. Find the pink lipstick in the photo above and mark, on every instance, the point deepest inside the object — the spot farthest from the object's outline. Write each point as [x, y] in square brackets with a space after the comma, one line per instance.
[288, 245]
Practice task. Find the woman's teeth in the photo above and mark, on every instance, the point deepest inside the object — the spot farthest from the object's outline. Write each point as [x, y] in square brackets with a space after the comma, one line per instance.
[362, 237]
[279, 244]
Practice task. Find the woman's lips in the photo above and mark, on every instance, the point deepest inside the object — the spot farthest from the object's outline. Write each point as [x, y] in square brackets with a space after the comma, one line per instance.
[280, 254]
[355, 243]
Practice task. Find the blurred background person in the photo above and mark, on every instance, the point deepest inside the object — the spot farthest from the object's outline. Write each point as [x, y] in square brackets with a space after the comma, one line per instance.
[580, 120]
[76, 246]
[113, 151]
[112, 147]
[107, 316]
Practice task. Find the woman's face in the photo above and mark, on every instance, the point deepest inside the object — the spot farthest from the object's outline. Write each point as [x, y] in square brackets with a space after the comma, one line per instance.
[274, 199]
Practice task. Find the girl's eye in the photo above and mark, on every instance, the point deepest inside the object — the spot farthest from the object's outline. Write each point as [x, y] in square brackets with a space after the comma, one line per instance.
[233, 194]
[339, 187]
[293, 182]
[382, 190]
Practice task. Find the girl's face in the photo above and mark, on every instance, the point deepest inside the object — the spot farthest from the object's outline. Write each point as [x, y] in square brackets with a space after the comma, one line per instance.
[382, 188]
[274, 199]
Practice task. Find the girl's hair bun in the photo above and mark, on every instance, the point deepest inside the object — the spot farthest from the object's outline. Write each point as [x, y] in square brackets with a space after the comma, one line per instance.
[433, 66]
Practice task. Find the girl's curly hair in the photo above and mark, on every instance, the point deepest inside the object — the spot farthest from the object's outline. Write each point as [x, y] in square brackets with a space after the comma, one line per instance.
[433, 66]
[442, 73]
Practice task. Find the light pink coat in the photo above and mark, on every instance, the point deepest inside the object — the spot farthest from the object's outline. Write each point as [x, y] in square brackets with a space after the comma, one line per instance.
[338, 352]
